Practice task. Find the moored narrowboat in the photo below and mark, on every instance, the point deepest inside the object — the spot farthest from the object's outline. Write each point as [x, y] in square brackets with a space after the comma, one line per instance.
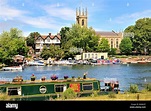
[45, 89]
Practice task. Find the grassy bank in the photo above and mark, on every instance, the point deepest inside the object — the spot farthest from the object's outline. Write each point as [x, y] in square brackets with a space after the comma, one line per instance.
[126, 97]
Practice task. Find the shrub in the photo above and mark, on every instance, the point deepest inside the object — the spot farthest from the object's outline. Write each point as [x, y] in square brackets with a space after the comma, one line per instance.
[69, 94]
[148, 87]
[4, 97]
[94, 94]
[133, 88]
[112, 95]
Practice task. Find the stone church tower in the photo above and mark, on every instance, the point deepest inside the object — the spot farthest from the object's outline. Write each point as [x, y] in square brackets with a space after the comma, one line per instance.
[81, 17]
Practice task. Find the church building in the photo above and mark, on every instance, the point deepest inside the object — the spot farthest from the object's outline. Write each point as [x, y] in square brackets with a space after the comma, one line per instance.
[114, 38]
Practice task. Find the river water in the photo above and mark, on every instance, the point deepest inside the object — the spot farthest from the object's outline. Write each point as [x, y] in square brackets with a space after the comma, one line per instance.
[139, 74]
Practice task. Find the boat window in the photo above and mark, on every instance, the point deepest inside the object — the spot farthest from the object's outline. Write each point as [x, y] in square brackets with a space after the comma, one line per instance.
[14, 91]
[87, 86]
[60, 88]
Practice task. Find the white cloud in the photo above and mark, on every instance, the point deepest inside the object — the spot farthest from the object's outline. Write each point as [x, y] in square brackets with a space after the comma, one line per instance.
[60, 12]
[132, 17]
[8, 13]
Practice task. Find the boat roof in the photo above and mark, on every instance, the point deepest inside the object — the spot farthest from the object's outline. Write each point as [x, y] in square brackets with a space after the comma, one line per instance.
[47, 81]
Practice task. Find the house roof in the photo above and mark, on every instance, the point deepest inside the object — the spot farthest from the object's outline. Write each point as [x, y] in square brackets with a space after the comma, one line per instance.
[51, 36]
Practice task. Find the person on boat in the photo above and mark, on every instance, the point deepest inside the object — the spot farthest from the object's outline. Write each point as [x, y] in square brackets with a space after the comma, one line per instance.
[84, 75]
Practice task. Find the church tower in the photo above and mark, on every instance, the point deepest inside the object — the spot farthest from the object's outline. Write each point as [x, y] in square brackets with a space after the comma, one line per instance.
[81, 17]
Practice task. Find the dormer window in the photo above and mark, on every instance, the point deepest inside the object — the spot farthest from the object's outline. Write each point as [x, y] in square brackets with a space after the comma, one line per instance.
[48, 39]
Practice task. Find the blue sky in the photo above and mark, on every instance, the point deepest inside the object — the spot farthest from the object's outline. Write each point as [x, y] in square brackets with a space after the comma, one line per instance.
[49, 16]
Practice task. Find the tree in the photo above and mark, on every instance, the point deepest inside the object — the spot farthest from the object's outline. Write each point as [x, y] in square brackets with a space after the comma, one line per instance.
[126, 46]
[64, 38]
[53, 52]
[12, 43]
[112, 51]
[31, 39]
[103, 45]
[142, 35]
[83, 37]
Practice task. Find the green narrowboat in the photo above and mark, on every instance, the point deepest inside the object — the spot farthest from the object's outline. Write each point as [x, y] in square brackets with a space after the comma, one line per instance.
[46, 89]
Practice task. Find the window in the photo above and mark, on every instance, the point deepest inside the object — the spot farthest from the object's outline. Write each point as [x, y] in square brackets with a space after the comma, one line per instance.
[14, 91]
[116, 43]
[83, 22]
[85, 56]
[87, 86]
[60, 88]
[48, 39]
[95, 56]
[88, 56]
[111, 43]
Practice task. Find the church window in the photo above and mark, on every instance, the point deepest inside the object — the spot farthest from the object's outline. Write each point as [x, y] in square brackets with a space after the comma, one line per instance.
[111, 43]
[116, 43]
[83, 22]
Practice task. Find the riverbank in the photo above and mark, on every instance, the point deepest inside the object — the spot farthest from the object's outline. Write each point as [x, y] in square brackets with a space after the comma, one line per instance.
[144, 96]
[135, 59]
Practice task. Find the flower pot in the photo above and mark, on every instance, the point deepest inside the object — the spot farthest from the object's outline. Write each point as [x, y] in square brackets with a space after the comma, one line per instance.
[65, 77]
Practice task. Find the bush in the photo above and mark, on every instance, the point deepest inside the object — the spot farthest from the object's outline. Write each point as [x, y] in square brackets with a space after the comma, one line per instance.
[148, 87]
[133, 88]
[112, 95]
[4, 97]
[69, 94]
[94, 94]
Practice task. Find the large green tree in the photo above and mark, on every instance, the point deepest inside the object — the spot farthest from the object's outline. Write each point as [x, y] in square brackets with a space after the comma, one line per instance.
[12, 43]
[83, 37]
[53, 52]
[142, 35]
[103, 45]
[126, 46]
[30, 40]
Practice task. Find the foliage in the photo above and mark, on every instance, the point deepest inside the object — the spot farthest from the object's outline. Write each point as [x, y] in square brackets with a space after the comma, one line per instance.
[142, 35]
[4, 97]
[64, 38]
[53, 52]
[103, 45]
[12, 43]
[112, 95]
[126, 46]
[95, 94]
[133, 88]
[112, 51]
[82, 37]
[148, 87]
[69, 94]
[31, 39]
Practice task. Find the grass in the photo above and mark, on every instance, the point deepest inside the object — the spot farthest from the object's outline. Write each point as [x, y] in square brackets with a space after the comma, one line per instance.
[125, 97]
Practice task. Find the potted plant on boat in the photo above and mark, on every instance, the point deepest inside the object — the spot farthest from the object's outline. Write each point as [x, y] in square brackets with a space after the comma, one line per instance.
[33, 77]
[54, 77]
[43, 78]
[65, 77]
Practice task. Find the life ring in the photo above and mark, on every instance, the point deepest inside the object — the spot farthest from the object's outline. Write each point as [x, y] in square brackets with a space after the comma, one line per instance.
[112, 85]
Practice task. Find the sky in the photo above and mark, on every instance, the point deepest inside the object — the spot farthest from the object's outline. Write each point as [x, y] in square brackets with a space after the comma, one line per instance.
[49, 16]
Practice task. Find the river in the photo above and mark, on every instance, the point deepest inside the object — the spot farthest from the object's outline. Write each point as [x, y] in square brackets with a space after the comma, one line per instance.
[139, 74]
